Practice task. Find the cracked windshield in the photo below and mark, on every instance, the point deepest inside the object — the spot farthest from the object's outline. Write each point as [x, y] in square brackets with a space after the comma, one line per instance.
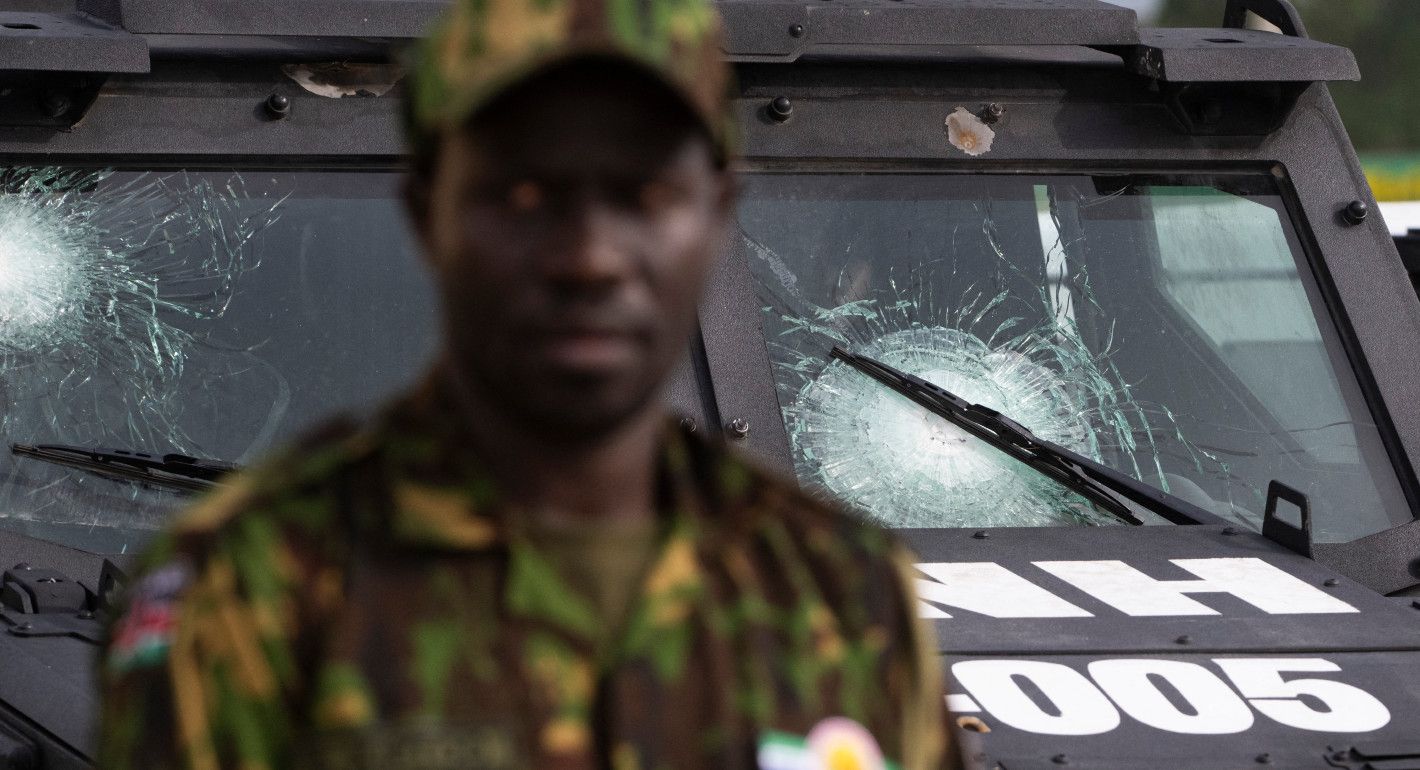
[1165, 326]
[211, 314]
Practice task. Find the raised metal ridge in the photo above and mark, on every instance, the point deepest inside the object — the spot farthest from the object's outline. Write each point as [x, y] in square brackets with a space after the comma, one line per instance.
[43, 42]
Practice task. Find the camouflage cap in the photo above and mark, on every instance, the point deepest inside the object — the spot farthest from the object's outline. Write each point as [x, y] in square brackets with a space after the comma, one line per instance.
[481, 47]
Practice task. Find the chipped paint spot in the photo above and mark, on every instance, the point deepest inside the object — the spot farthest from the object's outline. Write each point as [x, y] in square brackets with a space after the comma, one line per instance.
[968, 133]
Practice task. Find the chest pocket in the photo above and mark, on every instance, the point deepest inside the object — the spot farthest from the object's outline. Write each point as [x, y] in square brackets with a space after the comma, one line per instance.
[420, 745]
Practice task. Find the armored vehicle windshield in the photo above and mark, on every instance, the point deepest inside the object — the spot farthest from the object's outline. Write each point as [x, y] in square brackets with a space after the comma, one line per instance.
[209, 312]
[1163, 324]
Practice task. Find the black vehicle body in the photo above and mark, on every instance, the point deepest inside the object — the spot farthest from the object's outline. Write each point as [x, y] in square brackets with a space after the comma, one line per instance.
[1049, 668]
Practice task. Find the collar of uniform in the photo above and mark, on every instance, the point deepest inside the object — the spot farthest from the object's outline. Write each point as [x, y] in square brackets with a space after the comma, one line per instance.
[441, 495]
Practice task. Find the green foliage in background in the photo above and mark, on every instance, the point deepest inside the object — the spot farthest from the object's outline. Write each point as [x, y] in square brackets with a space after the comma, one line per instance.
[1382, 112]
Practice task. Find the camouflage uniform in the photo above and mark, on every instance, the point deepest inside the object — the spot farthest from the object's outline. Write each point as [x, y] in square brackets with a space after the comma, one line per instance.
[367, 600]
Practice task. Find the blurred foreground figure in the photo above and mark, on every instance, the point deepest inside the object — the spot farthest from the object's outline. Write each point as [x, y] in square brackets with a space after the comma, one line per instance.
[525, 563]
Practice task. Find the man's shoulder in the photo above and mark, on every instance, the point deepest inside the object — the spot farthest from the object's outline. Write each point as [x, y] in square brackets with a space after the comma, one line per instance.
[803, 549]
[253, 542]
[293, 488]
[774, 503]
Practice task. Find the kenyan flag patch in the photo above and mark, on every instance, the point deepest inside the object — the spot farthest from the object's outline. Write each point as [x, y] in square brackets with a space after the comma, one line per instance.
[142, 636]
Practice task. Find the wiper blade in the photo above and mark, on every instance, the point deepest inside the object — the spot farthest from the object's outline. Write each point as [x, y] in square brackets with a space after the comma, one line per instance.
[173, 471]
[1100, 484]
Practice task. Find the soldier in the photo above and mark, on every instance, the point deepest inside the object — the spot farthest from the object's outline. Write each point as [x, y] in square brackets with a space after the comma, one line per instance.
[525, 563]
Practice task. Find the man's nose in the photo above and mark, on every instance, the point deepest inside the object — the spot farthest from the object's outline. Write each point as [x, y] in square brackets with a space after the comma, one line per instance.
[593, 250]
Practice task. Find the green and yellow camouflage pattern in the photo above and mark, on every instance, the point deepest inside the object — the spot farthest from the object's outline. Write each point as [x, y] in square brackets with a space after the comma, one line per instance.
[481, 47]
[368, 601]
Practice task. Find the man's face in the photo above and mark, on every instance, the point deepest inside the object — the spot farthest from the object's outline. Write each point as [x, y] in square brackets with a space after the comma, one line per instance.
[572, 227]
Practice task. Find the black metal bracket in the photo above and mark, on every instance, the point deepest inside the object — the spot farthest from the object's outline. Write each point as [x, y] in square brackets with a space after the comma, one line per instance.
[1236, 81]
[37, 602]
[1293, 538]
[1278, 12]
[1397, 754]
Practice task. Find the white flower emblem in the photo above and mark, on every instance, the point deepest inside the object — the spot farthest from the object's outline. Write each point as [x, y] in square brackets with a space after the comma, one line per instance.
[967, 133]
[839, 743]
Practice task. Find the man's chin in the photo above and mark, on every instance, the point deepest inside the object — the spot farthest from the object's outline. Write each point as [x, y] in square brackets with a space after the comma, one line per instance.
[579, 410]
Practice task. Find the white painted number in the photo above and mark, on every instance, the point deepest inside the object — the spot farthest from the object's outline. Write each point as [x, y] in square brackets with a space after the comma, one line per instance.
[1133, 685]
[1348, 709]
[1079, 707]
[1172, 695]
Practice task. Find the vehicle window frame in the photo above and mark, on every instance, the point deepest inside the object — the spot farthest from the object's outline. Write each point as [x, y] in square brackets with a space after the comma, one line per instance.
[741, 372]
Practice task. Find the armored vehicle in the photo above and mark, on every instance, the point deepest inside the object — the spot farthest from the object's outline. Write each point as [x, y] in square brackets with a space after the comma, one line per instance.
[1121, 350]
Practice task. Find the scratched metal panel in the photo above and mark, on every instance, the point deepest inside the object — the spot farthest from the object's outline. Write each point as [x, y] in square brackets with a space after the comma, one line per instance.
[1379, 623]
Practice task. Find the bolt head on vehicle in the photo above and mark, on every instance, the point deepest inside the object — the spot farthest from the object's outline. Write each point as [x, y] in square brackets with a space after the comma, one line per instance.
[1355, 212]
[781, 109]
[278, 106]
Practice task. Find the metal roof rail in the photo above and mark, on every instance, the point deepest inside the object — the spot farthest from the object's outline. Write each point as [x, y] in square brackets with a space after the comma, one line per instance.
[1233, 81]
[75, 42]
[386, 19]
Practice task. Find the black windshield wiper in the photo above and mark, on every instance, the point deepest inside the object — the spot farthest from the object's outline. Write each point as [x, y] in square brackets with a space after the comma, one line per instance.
[1100, 484]
[173, 471]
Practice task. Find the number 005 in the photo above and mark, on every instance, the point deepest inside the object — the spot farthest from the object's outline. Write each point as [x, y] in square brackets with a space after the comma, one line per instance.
[1171, 695]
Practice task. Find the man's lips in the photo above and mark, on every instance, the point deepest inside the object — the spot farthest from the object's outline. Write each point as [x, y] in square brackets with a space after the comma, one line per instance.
[588, 349]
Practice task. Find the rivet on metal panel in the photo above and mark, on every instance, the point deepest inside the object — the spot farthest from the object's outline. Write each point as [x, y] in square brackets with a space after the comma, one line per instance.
[738, 427]
[992, 113]
[278, 106]
[981, 535]
[1355, 212]
[688, 424]
[796, 30]
[1331, 582]
[781, 108]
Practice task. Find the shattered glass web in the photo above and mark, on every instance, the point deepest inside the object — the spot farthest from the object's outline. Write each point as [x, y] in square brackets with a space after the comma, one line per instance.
[906, 467]
[107, 282]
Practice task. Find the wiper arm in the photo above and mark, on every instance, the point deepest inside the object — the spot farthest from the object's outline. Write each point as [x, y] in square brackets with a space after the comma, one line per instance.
[1100, 484]
[173, 471]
